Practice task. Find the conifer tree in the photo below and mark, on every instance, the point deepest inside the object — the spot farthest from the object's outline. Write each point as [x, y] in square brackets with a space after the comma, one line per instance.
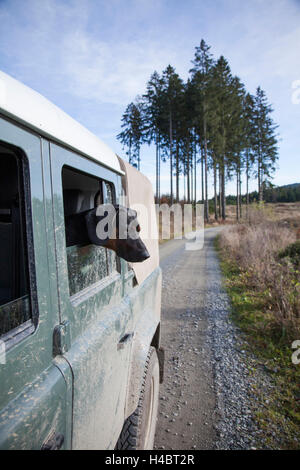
[153, 118]
[209, 119]
[171, 98]
[132, 135]
[264, 140]
[201, 77]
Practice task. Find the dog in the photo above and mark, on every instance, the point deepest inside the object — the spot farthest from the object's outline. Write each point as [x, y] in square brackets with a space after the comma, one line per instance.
[119, 231]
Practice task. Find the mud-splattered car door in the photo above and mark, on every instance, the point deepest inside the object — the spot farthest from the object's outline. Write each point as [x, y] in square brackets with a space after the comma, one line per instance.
[34, 403]
[92, 305]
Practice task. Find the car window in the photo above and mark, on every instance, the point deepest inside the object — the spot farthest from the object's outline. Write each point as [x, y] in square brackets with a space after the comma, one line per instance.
[87, 264]
[15, 305]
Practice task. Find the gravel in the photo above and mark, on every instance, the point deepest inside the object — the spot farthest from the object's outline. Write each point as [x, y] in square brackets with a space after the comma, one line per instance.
[234, 380]
[209, 376]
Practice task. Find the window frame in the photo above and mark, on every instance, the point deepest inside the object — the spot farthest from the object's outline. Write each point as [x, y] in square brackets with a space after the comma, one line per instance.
[85, 306]
[27, 328]
[103, 281]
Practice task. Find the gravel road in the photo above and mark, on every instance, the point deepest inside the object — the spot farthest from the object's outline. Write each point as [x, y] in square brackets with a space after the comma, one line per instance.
[206, 400]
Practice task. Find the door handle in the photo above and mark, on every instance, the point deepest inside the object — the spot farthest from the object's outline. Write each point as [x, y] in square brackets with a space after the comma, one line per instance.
[54, 442]
[124, 340]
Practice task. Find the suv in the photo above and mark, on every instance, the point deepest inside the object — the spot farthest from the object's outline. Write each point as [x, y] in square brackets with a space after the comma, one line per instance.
[80, 356]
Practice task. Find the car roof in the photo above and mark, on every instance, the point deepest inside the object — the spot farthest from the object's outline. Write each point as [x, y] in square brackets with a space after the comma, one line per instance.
[33, 110]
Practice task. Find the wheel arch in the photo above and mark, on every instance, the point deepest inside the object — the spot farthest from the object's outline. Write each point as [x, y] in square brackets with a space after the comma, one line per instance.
[140, 350]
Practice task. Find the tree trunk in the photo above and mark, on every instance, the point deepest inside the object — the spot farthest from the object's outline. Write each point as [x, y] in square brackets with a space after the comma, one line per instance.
[184, 183]
[260, 182]
[223, 191]
[215, 192]
[159, 160]
[202, 175]
[247, 185]
[220, 193]
[188, 172]
[206, 214]
[240, 190]
[177, 173]
[171, 161]
[156, 162]
[195, 173]
[223, 169]
[192, 179]
[237, 196]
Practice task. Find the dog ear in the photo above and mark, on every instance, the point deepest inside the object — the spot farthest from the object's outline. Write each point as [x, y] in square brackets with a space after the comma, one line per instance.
[101, 224]
[91, 221]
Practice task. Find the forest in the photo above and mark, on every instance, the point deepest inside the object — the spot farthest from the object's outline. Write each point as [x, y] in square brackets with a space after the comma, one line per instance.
[287, 193]
[209, 124]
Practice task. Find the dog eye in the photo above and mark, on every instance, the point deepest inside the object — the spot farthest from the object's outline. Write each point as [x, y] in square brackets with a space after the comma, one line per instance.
[138, 228]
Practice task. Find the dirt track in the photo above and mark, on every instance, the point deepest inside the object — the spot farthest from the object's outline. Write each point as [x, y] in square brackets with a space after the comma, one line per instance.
[187, 400]
[206, 397]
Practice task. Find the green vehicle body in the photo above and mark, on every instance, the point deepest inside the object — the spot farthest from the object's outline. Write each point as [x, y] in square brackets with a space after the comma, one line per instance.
[67, 373]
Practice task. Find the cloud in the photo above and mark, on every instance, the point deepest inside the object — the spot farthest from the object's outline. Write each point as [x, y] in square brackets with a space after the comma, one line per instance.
[110, 72]
[106, 51]
[92, 57]
[71, 45]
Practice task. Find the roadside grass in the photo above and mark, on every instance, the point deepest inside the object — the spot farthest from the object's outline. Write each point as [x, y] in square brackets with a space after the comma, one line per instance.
[270, 343]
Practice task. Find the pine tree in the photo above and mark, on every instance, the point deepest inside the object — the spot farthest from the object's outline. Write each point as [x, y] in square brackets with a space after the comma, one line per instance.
[236, 137]
[248, 140]
[211, 114]
[223, 117]
[153, 118]
[264, 140]
[171, 99]
[132, 135]
[201, 78]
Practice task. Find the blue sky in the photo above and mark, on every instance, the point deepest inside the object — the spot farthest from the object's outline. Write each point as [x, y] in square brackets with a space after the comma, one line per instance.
[92, 57]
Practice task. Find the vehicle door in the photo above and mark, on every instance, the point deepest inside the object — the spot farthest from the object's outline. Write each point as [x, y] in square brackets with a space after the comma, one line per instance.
[35, 407]
[91, 304]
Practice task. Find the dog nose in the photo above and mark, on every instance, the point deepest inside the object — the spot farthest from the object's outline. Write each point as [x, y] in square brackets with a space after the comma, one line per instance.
[145, 254]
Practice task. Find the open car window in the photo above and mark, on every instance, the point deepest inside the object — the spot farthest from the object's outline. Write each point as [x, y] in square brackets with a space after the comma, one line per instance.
[15, 304]
[87, 264]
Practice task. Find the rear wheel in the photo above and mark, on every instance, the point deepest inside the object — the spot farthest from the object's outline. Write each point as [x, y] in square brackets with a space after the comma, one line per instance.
[139, 428]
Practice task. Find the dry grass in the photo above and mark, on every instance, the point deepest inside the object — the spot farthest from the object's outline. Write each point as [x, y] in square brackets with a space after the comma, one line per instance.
[264, 287]
[287, 213]
[254, 247]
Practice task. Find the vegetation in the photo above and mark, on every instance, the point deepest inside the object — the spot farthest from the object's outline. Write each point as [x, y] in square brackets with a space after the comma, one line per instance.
[209, 121]
[260, 261]
[288, 193]
[292, 252]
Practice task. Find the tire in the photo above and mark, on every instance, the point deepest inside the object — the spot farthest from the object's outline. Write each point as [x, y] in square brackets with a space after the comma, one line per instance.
[139, 428]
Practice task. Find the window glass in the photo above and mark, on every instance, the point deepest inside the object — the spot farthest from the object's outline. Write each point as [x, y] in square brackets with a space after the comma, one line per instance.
[87, 264]
[109, 199]
[112, 261]
[14, 286]
[108, 193]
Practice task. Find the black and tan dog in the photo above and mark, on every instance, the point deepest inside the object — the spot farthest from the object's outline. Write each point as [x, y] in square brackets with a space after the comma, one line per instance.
[121, 232]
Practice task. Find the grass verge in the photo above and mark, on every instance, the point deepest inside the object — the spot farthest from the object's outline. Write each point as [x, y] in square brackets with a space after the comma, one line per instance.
[279, 414]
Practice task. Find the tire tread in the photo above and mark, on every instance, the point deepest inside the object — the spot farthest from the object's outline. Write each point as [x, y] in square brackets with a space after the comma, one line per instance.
[129, 436]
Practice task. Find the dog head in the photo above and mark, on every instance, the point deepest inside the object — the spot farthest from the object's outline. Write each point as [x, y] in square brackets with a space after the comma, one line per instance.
[116, 227]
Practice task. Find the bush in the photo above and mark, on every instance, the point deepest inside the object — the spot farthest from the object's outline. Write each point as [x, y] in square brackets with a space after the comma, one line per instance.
[292, 251]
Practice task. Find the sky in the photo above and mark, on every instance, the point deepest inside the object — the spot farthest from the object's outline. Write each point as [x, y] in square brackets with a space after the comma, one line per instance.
[93, 57]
